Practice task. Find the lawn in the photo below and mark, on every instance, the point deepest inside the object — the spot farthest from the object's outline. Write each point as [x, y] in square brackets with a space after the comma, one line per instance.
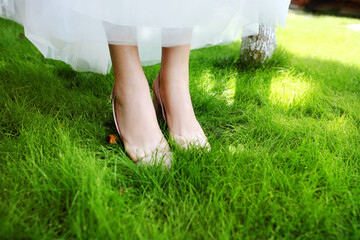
[285, 140]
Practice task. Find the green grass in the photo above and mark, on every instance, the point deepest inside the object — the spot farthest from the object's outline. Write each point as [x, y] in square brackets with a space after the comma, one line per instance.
[285, 140]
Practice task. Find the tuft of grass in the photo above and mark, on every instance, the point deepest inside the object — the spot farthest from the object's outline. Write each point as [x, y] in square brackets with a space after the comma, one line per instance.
[285, 146]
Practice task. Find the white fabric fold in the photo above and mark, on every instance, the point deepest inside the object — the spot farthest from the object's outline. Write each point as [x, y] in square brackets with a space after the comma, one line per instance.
[78, 31]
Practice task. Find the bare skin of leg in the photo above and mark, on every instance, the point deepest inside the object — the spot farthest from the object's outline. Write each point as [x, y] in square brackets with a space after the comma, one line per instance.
[135, 112]
[175, 95]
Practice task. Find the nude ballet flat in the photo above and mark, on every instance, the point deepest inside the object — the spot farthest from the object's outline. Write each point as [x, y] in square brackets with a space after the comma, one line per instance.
[187, 142]
[144, 156]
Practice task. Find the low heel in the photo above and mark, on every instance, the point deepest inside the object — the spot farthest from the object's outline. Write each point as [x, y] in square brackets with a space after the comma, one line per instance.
[157, 106]
[113, 100]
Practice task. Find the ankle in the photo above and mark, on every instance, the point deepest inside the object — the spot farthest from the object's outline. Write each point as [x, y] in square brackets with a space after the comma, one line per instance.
[174, 75]
[130, 87]
[176, 83]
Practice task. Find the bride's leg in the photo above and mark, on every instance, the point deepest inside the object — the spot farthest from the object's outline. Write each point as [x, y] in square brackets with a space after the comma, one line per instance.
[174, 91]
[134, 110]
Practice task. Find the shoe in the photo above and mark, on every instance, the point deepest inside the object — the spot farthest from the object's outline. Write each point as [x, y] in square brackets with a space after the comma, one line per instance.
[187, 142]
[141, 157]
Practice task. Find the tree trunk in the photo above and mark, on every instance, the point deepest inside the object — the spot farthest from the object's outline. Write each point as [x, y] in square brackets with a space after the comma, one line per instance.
[258, 48]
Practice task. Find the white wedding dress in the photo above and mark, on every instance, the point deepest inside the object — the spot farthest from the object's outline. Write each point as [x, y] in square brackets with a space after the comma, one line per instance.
[78, 31]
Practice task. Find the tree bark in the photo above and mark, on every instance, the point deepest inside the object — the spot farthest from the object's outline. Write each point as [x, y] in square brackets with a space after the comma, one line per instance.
[258, 48]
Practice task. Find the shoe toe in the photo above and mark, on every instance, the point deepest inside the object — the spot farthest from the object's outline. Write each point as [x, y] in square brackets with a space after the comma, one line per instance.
[163, 159]
[132, 152]
[198, 141]
[160, 155]
[203, 143]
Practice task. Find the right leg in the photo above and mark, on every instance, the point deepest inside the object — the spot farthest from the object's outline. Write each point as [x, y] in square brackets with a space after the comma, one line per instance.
[135, 112]
[173, 87]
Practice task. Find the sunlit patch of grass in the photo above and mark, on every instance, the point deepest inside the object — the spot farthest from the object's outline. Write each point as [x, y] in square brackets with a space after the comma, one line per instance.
[289, 90]
[207, 81]
[340, 125]
[229, 89]
[322, 37]
[236, 149]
